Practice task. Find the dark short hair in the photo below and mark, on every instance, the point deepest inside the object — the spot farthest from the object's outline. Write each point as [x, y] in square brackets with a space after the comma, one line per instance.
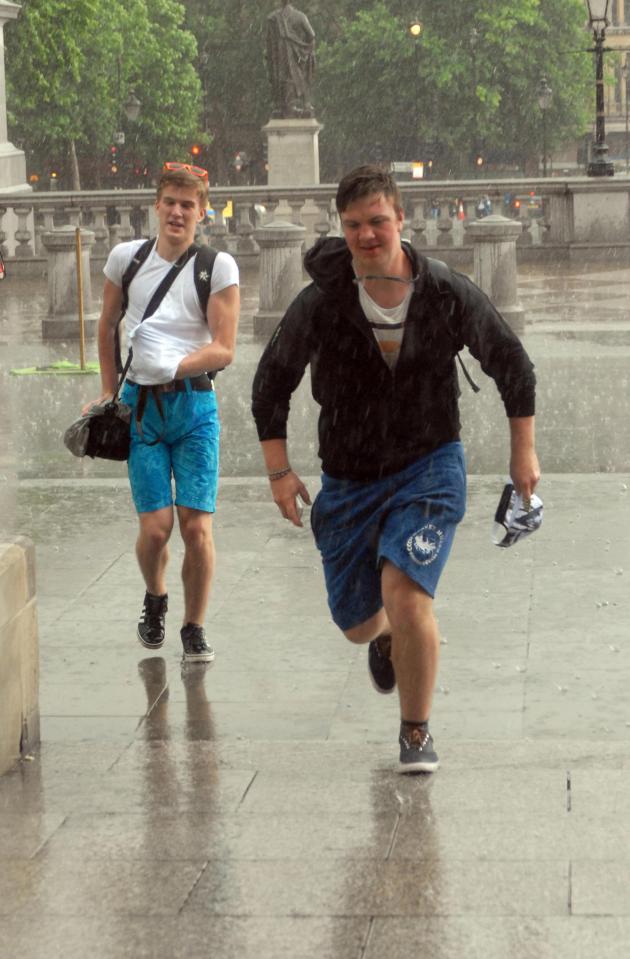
[364, 181]
[181, 178]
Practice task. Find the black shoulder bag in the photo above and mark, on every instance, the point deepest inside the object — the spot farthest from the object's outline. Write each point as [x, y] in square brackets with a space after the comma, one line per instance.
[105, 430]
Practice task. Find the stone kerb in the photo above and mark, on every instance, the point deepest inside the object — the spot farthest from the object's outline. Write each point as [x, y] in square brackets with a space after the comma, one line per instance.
[19, 652]
[63, 287]
[281, 277]
[494, 241]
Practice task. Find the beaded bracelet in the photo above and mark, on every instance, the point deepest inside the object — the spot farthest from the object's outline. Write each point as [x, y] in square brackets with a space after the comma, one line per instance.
[278, 474]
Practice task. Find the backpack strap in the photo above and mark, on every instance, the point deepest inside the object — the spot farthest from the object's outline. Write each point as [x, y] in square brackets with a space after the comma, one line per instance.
[141, 255]
[441, 273]
[204, 265]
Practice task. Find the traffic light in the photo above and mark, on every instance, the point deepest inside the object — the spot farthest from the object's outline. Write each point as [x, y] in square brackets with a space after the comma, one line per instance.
[113, 165]
[195, 151]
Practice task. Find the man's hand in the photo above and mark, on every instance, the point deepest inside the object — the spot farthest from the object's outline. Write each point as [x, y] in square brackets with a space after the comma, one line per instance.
[285, 492]
[525, 472]
[103, 398]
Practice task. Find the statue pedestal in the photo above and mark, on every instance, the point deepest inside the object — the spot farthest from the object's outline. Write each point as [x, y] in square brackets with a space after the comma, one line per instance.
[292, 152]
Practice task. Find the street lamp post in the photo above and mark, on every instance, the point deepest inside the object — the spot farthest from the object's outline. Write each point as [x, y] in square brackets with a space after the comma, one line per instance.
[598, 20]
[545, 98]
[416, 29]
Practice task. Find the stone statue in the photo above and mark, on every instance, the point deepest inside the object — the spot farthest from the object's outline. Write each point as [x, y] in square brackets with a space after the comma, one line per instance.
[290, 58]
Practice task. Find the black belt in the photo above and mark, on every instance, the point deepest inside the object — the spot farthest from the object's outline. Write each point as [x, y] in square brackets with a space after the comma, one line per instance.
[199, 383]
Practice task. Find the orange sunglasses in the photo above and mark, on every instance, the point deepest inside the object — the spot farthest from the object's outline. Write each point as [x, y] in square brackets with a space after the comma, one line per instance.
[185, 168]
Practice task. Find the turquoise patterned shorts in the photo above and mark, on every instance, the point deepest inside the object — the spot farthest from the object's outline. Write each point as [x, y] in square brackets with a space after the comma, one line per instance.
[187, 453]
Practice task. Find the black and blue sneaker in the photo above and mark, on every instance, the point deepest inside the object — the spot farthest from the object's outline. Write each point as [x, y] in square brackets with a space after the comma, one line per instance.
[417, 754]
[380, 665]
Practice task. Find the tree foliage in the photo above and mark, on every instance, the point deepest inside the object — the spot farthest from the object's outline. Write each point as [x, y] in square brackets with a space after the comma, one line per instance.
[467, 87]
[71, 65]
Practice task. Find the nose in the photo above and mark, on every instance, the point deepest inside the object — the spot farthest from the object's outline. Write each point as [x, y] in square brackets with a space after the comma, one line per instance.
[366, 232]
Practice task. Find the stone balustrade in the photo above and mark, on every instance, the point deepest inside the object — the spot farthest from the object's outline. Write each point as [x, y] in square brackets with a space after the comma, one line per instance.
[572, 217]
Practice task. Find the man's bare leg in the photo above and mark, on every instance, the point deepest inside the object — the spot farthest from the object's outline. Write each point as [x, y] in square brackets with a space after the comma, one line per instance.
[198, 565]
[152, 548]
[415, 642]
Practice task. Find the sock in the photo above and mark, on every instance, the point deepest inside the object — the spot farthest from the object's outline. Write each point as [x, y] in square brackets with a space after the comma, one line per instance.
[424, 725]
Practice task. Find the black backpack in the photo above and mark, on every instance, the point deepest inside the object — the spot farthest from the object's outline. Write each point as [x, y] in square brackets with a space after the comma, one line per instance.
[203, 267]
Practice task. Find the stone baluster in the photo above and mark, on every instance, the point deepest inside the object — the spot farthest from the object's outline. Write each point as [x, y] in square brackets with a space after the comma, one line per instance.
[445, 231]
[100, 230]
[281, 276]
[296, 207]
[23, 235]
[244, 229]
[122, 231]
[418, 227]
[322, 224]
[73, 214]
[494, 239]
[219, 230]
[62, 321]
[526, 238]
[271, 206]
[45, 224]
[3, 235]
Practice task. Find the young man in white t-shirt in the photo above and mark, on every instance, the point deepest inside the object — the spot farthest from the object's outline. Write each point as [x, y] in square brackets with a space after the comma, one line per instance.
[177, 436]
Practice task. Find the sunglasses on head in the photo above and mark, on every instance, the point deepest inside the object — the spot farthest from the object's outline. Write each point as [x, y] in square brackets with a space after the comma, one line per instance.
[185, 168]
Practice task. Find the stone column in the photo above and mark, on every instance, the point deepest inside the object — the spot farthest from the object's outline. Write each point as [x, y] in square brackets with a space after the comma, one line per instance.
[494, 239]
[62, 321]
[12, 160]
[281, 277]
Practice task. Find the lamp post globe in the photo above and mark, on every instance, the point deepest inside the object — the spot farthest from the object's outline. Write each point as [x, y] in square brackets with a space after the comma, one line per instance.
[132, 107]
[599, 165]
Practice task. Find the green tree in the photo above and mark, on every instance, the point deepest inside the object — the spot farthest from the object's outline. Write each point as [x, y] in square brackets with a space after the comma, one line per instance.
[70, 67]
[468, 86]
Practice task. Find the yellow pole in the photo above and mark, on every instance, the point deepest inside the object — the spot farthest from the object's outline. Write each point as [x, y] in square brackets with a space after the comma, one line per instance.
[80, 297]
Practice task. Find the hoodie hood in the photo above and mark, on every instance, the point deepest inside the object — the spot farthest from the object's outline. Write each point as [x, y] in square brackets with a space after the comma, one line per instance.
[329, 263]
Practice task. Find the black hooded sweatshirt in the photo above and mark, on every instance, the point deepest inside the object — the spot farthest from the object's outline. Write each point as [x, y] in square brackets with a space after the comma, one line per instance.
[375, 421]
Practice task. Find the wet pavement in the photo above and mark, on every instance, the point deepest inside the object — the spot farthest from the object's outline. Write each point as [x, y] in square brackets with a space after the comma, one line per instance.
[253, 808]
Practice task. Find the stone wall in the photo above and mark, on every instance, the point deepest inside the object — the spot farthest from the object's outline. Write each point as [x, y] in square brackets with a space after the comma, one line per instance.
[19, 652]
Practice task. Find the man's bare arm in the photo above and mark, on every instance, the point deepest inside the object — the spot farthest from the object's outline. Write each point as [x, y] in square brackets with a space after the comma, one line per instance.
[222, 314]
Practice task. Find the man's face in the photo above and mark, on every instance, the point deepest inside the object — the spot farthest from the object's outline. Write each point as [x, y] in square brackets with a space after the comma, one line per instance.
[372, 228]
[179, 211]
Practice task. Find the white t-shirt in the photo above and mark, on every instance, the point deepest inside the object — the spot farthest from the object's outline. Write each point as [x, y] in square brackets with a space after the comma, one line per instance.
[388, 324]
[178, 327]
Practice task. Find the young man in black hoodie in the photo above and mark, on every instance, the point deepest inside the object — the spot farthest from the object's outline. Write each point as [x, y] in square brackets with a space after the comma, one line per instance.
[381, 327]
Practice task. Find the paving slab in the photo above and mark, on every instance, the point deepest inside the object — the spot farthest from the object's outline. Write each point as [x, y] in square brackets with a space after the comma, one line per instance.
[253, 808]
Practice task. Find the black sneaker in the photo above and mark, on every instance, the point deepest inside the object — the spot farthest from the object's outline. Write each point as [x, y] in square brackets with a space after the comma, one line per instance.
[380, 664]
[196, 649]
[151, 624]
[417, 754]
